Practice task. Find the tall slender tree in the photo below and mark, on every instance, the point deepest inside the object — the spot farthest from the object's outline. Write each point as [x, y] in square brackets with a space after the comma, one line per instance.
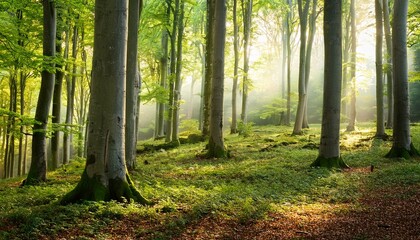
[388, 69]
[163, 62]
[303, 16]
[105, 176]
[71, 89]
[402, 145]
[178, 81]
[233, 126]
[172, 72]
[247, 18]
[38, 169]
[380, 125]
[209, 67]
[352, 108]
[132, 82]
[329, 149]
[216, 146]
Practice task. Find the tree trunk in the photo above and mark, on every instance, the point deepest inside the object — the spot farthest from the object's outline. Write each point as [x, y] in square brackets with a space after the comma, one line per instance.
[71, 86]
[56, 107]
[303, 17]
[132, 83]
[234, 127]
[329, 149]
[346, 50]
[380, 125]
[312, 28]
[402, 146]
[216, 145]
[209, 67]
[389, 77]
[172, 73]
[247, 37]
[352, 111]
[163, 74]
[289, 60]
[105, 176]
[178, 81]
[22, 148]
[22, 85]
[11, 125]
[38, 169]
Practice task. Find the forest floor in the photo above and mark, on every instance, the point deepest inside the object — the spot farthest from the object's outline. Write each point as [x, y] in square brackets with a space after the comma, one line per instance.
[265, 190]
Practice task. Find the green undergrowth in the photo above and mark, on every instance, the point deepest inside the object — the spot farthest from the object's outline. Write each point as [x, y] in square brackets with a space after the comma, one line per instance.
[268, 171]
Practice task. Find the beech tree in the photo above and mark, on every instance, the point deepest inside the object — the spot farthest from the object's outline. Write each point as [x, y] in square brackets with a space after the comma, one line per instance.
[380, 125]
[105, 176]
[133, 83]
[402, 145]
[247, 18]
[38, 168]
[352, 108]
[216, 145]
[388, 68]
[303, 17]
[208, 67]
[233, 126]
[329, 149]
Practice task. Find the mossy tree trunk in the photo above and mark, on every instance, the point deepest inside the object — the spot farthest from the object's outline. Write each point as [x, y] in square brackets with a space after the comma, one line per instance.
[216, 144]
[402, 146]
[329, 150]
[105, 176]
[38, 168]
[208, 68]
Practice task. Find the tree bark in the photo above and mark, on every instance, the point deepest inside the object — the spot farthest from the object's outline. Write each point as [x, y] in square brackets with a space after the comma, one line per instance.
[216, 145]
[56, 107]
[38, 169]
[132, 82]
[208, 68]
[178, 81]
[105, 176]
[402, 145]
[329, 149]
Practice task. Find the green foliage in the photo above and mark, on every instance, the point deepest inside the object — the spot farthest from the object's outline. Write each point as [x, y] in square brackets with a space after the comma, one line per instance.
[245, 129]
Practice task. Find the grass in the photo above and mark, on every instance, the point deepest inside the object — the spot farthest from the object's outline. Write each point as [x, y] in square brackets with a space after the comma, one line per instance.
[268, 172]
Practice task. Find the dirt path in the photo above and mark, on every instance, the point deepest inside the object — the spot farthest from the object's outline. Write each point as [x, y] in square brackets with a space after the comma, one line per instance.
[383, 214]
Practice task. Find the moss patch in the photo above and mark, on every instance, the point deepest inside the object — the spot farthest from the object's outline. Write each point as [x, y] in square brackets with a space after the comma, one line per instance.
[397, 152]
[335, 162]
